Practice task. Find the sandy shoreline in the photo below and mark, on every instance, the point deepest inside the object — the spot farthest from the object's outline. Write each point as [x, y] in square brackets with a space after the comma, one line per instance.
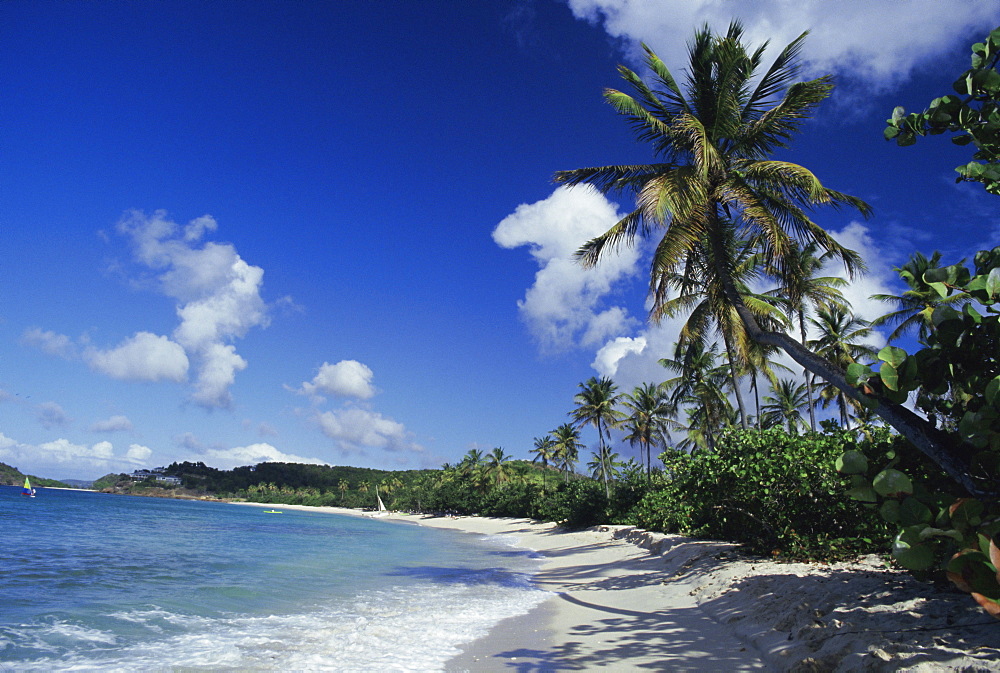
[626, 599]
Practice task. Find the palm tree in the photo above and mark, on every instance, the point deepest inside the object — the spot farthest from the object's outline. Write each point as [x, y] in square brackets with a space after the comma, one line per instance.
[800, 289]
[700, 381]
[567, 445]
[839, 340]
[596, 406]
[784, 406]
[760, 363]
[544, 453]
[471, 461]
[916, 304]
[648, 419]
[605, 466]
[713, 184]
[702, 297]
[498, 466]
[343, 486]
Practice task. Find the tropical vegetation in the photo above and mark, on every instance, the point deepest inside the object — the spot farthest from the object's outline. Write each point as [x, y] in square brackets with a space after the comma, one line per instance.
[727, 221]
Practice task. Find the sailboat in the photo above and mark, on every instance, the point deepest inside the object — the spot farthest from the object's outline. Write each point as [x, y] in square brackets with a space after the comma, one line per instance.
[27, 490]
[382, 511]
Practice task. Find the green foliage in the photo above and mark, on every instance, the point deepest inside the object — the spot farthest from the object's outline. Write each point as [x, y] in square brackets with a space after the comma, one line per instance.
[936, 532]
[776, 493]
[973, 116]
[11, 476]
[109, 481]
[955, 379]
[578, 504]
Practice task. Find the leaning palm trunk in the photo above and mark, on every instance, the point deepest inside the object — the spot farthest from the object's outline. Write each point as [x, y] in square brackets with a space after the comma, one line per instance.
[712, 141]
[920, 432]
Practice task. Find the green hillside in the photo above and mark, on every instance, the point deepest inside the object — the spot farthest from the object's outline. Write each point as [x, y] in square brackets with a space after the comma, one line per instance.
[11, 476]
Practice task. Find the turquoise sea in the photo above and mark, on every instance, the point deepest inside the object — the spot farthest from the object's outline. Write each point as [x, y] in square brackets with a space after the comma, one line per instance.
[103, 582]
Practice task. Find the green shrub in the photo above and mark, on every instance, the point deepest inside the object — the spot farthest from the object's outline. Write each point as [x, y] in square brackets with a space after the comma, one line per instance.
[776, 493]
[579, 504]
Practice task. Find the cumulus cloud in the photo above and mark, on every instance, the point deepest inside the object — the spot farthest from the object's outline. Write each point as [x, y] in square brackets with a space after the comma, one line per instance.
[355, 430]
[879, 43]
[113, 424]
[879, 279]
[218, 295]
[143, 357]
[137, 453]
[218, 369]
[227, 459]
[565, 307]
[347, 378]
[69, 459]
[610, 354]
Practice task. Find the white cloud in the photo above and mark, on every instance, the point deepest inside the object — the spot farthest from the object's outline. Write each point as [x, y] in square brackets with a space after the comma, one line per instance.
[219, 300]
[227, 459]
[218, 294]
[878, 42]
[611, 353]
[565, 305]
[356, 429]
[218, 371]
[347, 378]
[879, 279]
[137, 453]
[62, 458]
[113, 424]
[49, 342]
[143, 357]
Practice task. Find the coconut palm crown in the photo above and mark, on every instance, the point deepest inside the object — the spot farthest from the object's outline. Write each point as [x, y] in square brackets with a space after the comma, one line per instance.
[714, 184]
[714, 140]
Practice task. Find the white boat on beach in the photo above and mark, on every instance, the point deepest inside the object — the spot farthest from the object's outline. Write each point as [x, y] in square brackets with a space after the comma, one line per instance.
[382, 511]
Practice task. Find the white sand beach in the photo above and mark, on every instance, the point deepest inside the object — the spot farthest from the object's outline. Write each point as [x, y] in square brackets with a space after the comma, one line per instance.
[625, 599]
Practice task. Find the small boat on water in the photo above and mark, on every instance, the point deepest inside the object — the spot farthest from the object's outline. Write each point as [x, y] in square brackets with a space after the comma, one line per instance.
[27, 489]
[272, 511]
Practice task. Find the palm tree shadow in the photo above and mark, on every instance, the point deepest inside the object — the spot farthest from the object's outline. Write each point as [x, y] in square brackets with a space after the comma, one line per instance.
[675, 639]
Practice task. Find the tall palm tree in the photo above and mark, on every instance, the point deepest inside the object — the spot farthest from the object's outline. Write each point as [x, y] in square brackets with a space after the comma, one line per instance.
[567, 445]
[596, 406]
[605, 466]
[713, 183]
[498, 466]
[472, 461]
[700, 381]
[783, 408]
[649, 415]
[545, 453]
[801, 288]
[343, 486]
[701, 296]
[916, 304]
[840, 340]
[760, 364]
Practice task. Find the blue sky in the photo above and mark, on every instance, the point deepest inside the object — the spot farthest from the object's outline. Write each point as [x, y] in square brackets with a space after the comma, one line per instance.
[327, 232]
